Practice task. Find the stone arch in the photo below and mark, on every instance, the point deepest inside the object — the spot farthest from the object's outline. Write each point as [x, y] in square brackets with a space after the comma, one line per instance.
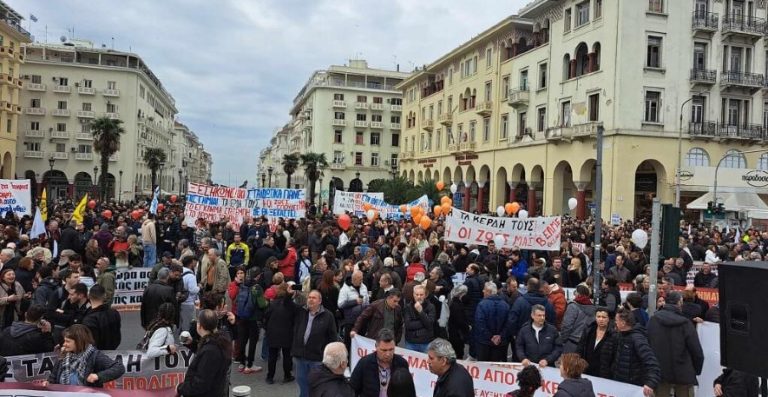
[566, 66]
[518, 173]
[412, 177]
[111, 183]
[650, 181]
[535, 190]
[470, 175]
[83, 184]
[501, 191]
[420, 177]
[458, 175]
[447, 179]
[333, 185]
[436, 176]
[7, 169]
[484, 192]
[582, 59]
[57, 184]
[563, 187]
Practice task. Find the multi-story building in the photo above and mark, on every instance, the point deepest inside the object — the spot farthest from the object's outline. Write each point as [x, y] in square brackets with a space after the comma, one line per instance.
[513, 114]
[193, 163]
[68, 85]
[351, 114]
[12, 36]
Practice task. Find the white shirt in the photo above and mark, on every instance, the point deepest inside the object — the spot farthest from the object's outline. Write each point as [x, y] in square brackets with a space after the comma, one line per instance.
[711, 257]
[536, 330]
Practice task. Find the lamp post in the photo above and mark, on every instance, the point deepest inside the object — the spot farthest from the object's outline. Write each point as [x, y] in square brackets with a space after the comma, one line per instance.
[120, 199]
[393, 170]
[95, 180]
[680, 151]
[51, 162]
[598, 209]
[263, 179]
[180, 188]
[269, 170]
[160, 179]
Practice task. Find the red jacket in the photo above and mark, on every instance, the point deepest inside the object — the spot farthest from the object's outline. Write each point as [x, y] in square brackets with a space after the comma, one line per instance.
[287, 265]
[414, 268]
[557, 298]
[232, 292]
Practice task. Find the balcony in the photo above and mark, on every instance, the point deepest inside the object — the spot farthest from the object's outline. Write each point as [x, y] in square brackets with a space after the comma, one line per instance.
[361, 124]
[339, 122]
[703, 76]
[62, 89]
[573, 132]
[17, 109]
[60, 113]
[34, 134]
[707, 129]
[114, 157]
[6, 52]
[59, 135]
[377, 125]
[394, 126]
[36, 87]
[484, 108]
[6, 78]
[84, 136]
[33, 154]
[752, 81]
[18, 83]
[750, 27]
[753, 132]
[377, 107]
[445, 119]
[60, 155]
[83, 156]
[337, 166]
[86, 91]
[361, 105]
[339, 104]
[429, 125]
[467, 146]
[396, 108]
[112, 115]
[35, 111]
[7, 106]
[111, 93]
[407, 155]
[519, 98]
[86, 114]
[705, 21]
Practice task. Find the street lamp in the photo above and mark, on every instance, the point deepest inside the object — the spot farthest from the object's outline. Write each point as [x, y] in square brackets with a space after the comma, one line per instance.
[159, 180]
[180, 189]
[51, 162]
[95, 179]
[269, 170]
[680, 151]
[263, 179]
[393, 170]
[121, 186]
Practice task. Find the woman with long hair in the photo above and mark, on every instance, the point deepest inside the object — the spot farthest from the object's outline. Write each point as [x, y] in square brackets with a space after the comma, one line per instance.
[208, 374]
[80, 363]
[529, 380]
[11, 295]
[576, 273]
[330, 291]
[573, 385]
[160, 332]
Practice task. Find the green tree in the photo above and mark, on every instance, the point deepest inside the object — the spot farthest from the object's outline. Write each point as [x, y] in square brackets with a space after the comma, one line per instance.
[290, 164]
[313, 164]
[106, 142]
[396, 191]
[427, 186]
[154, 157]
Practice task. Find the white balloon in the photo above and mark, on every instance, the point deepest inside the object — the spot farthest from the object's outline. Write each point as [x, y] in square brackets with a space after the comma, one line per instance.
[454, 188]
[499, 240]
[370, 214]
[572, 203]
[522, 214]
[500, 211]
[286, 234]
[640, 238]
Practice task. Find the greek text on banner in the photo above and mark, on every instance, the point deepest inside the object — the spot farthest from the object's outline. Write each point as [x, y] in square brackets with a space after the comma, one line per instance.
[541, 233]
[15, 197]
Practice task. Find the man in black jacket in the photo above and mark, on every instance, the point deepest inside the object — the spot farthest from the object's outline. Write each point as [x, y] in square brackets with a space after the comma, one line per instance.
[627, 357]
[419, 319]
[538, 341]
[675, 342]
[31, 336]
[70, 238]
[374, 371]
[327, 380]
[155, 295]
[313, 329]
[103, 321]
[453, 380]
[264, 252]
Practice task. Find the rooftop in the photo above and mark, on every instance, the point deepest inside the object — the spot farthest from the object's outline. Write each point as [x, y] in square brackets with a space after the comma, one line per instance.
[13, 19]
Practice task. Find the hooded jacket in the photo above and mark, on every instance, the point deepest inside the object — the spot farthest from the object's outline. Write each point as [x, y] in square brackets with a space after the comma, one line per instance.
[628, 358]
[674, 340]
[575, 388]
[520, 312]
[324, 383]
[24, 338]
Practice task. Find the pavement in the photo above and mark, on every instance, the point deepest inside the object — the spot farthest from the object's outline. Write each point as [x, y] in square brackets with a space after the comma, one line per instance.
[132, 334]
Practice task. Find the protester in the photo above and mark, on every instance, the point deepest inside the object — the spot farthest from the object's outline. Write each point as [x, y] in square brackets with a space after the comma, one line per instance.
[103, 322]
[374, 373]
[593, 339]
[189, 282]
[528, 381]
[81, 363]
[538, 341]
[249, 304]
[314, 328]
[573, 385]
[490, 323]
[159, 336]
[11, 295]
[385, 313]
[419, 319]
[327, 379]
[627, 356]
[401, 384]
[155, 295]
[736, 383]
[578, 316]
[208, 373]
[280, 317]
[31, 336]
[106, 279]
[453, 380]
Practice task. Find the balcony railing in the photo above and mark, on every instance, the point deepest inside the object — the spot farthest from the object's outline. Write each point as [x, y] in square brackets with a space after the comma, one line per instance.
[34, 134]
[394, 126]
[377, 124]
[114, 157]
[35, 87]
[83, 156]
[703, 76]
[396, 108]
[361, 105]
[60, 155]
[60, 112]
[445, 118]
[703, 129]
[743, 131]
[339, 122]
[484, 108]
[16, 24]
[60, 134]
[86, 90]
[84, 136]
[111, 93]
[112, 115]
[63, 89]
[742, 79]
[339, 104]
[519, 97]
[361, 124]
[33, 154]
[377, 106]
[706, 21]
[429, 125]
[453, 147]
[337, 166]
[467, 146]
[35, 111]
[744, 25]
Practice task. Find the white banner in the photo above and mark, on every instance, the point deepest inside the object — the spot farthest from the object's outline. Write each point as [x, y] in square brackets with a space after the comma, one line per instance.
[351, 202]
[490, 379]
[15, 196]
[391, 211]
[130, 288]
[541, 233]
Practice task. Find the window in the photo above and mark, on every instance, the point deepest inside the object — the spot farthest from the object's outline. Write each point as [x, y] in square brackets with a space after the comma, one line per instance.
[653, 56]
[393, 160]
[338, 136]
[504, 126]
[474, 65]
[141, 91]
[488, 91]
[61, 127]
[522, 117]
[87, 106]
[378, 99]
[428, 143]
[87, 83]
[111, 85]
[439, 108]
[472, 125]
[488, 58]
[656, 6]
[449, 107]
[338, 97]
[394, 119]
[85, 128]
[375, 138]
[63, 81]
[734, 159]
[567, 20]
[505, 87]
[598, 8]
[423, 141]
[699, 56]
[431, 112]
[34, 103]
[762, 162]
[541, 119]
[565, 114]
[111, 108]
[374, 159]
[486, 129]
[34, 126]
[652, 107]
[594, 107]
[542, 75]
[33, 146]
[62, 105]
[395, 140]
[360, 116]
[61, 147]
[697, 157]
[376, 118]
[359, 138]
[338, 157]
[338, 115]
[697, 109]
[84, 148]
[358, 158]
[450, 76]
[524, 80]
[37, 79]
[582, 13]
[462, 135]
[362, 98]
[438, 140]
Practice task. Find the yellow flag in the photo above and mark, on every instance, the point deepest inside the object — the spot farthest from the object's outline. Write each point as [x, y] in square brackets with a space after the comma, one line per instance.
[80, 209]
[44, 207]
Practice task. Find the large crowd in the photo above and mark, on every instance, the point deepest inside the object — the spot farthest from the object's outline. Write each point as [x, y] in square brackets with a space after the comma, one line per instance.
[306, 287]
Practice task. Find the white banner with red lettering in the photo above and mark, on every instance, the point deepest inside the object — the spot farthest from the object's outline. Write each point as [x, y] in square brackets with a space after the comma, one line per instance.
[490, 379]
[540, 233]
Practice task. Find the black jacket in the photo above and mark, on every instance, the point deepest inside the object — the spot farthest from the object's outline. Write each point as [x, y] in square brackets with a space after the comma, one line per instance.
[520, 312]
[737, 384]
[323, 332]
[155, 295]
[591, 353]
[24, 338]
[575, 388]
[208, 374]
[419, 327]
[365, 377]
[674, 340]
[324, 383]
[456, 382]
[262, 254]
[104, 324]
[70, 239]
[99, 364]
[548, 346]
[627, 357]
[280, 318]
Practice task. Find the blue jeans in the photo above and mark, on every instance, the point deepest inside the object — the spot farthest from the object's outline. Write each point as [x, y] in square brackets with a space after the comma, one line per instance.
[150, 255]
[419, 347]
[302, 371]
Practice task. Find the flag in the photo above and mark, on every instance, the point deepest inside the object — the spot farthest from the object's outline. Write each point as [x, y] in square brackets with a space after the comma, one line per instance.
[153, 206]
[38, 226]
[80, 209]
[32, 18]
[43, 207]
[737, 236]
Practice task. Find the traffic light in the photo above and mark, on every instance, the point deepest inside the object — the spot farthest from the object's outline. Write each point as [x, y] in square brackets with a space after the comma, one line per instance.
[670, 231]
[710, 207]
[720, 208]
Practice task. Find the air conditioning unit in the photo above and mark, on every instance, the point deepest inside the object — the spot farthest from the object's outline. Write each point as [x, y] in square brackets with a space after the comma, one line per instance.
[73, 149]
[25, 77]
[55, 79]
[77, 84]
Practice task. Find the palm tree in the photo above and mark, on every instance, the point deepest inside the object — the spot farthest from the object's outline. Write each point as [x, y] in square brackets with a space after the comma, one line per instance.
[313, 164]
[154, 157]
[106, 142]
[290, 164]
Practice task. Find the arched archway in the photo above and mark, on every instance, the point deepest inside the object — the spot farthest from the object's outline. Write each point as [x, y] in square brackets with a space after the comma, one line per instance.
[501, 192]
[535, 190]
[111, 183]
[483, 193]
[412, 177]
[333, 185]
[83, 184]
[356, 185]
[7, 169]
[57, 183]
[458, 179]
[420, 176]
[582, 59]
[447, 176]
[436, 176]
[650, 177]
[563, 188]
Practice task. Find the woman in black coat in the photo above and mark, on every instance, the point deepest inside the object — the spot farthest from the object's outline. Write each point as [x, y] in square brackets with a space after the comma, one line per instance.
[278, 321]
[458, 326]
[208, 374]
[600, 330]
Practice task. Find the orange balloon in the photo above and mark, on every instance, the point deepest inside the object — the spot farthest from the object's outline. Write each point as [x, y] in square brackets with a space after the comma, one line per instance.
[508, 208]
[444, 199]
[403, 208]
[366, 206]
[415, 210]
[417, 219]
[440, 185]
[515, 207]
[437, 210]
[446, 208]
[425, 222]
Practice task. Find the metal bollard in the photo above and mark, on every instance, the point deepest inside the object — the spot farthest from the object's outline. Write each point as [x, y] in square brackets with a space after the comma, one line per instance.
[241, 391]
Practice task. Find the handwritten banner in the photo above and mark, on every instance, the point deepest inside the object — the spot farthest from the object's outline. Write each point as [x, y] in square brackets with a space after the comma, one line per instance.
[30, 390]
[214, 203]
[541, 233]
[352, 202]
[15, 197]
[130, 288]
[390, 211]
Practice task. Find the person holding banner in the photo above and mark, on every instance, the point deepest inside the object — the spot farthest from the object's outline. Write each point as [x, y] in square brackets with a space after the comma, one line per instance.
[81, 363]
[373, 374]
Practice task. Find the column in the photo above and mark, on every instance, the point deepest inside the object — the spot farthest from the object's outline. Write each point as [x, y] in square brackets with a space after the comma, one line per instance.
[71, 190]
[532, 186]
[581, 198]
[480, 197]
[467, 191]
[512, 193]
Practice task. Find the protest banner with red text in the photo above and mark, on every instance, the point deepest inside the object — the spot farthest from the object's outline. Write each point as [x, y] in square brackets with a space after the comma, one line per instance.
[541, 233]
[351, 202]
[15, 197]
[30, 390]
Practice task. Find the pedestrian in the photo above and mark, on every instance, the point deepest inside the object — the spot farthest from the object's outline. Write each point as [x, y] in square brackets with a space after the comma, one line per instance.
[578, 316]
[187, 306]
[31, 336]
[593, 339]
[11, 295]
[627, 356]
[237, 255]
[385, 313]
[217, 276]
[419, 319]
[490, 323]
[155, 295]
[528, 381]
[102, 321]
[458, 324]
[453, 380]
[327, 379]
[208, 373]
[149, 240]
[158, 340]
[279, 317]
[374, 373]
[81, 363]
[250, 304]
[573, 385]
[314, 328]
[538, 341]
[610, 296]
[676, 345]
[106, 279]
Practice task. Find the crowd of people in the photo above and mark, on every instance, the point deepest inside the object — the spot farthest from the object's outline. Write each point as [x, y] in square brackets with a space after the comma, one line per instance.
[304, 288]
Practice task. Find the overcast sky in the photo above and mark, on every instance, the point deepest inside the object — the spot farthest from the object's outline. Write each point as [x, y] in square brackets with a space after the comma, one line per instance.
[234, 66]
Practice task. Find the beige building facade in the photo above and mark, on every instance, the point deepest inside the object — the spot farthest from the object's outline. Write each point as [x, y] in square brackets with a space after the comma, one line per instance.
[513, 114]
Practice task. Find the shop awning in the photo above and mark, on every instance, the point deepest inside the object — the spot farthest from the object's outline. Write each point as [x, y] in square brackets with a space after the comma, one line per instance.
[733, 201]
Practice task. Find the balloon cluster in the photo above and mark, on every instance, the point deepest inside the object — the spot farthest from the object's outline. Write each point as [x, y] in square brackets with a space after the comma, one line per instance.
[511, 209]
